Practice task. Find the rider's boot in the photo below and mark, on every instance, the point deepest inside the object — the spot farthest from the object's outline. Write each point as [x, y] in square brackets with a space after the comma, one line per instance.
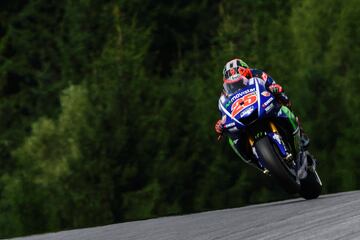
[305, 140]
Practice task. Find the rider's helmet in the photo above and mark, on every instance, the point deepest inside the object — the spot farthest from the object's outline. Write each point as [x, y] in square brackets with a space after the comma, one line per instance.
[235, 75]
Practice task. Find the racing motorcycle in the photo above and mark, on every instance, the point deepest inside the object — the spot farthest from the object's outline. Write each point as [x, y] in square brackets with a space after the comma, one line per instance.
[266, 134]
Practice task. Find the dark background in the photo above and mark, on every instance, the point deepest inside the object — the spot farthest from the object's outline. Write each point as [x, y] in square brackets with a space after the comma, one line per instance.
[107, 107]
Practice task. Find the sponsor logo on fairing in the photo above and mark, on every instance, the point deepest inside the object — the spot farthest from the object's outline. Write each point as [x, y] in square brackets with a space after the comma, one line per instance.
[246, 112]
[230, 125]
[268, 108]
[264, 105]
[228, 104]
[265, 94]
[247, 91]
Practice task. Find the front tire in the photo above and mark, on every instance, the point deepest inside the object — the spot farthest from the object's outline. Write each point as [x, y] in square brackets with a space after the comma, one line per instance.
[274, 163]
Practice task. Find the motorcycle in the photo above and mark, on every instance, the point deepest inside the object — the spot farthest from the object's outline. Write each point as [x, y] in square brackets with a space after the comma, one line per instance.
[266, 134]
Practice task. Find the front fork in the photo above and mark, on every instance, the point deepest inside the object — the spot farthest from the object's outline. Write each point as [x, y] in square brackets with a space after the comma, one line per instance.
[287, 156]
[278, 140]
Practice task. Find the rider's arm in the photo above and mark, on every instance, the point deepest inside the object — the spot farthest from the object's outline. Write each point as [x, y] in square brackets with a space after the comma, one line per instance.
[272, 86]
[268, 80]
[219, 128]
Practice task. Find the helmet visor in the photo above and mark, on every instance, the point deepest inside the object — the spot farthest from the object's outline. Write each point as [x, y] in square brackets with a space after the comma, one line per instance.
[233, 73]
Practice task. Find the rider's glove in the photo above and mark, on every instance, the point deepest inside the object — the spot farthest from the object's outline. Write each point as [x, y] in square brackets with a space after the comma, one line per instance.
[280, 95]
[219, 128]
[275, 89]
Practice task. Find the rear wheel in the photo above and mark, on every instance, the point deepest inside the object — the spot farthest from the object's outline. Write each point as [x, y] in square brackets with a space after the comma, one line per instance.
[275, 164]
[311, 186]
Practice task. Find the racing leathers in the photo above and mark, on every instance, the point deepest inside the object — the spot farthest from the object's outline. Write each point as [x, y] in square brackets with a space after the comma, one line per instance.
[238, 144]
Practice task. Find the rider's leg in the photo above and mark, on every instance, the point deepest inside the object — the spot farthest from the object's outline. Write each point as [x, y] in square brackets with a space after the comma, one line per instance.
[284, 100]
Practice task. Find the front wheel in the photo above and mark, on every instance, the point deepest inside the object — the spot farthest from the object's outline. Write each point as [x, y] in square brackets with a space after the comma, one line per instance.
[275, 164]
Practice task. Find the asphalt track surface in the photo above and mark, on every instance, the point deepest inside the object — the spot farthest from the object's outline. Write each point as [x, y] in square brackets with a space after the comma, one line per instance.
[330, 217]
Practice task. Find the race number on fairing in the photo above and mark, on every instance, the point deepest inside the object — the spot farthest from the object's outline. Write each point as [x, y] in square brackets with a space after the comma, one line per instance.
[242, 103]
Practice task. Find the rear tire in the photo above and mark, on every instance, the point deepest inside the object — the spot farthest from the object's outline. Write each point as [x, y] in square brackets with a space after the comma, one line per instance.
[310, 186]
[274, 163]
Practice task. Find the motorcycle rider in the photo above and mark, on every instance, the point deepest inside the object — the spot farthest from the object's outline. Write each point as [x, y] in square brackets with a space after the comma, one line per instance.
[236, 74]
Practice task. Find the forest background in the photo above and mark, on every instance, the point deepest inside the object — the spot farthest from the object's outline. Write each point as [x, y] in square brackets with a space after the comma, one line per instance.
[107, 107]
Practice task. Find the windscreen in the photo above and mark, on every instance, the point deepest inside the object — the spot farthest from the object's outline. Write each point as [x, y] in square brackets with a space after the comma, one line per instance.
[231, 88]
